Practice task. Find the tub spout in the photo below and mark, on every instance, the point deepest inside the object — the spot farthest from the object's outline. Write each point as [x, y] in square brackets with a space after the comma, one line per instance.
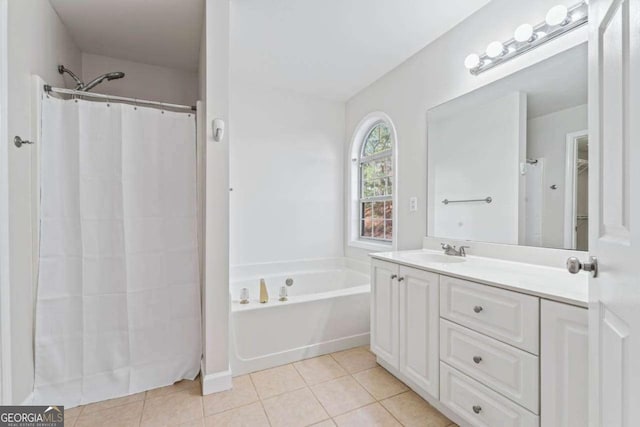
[283, 294]
[264, 295]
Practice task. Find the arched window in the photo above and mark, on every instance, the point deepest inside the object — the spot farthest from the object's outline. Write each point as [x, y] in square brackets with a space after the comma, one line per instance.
[375, 182]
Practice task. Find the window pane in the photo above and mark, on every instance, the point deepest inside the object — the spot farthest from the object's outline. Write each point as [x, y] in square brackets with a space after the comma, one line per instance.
[385, 138]
[366, 227]
[378, 210]
[388, 166]
[388, 210]
[377, 141]
[378, 229]
[366, 210]
[368, 189]
[388, 186]
[381, 185]
[388, 230]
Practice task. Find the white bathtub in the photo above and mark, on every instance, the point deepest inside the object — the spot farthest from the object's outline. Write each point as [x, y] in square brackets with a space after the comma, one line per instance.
[327, 310]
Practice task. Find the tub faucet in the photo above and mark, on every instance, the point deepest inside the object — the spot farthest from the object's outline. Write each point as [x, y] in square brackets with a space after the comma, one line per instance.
[451, 250]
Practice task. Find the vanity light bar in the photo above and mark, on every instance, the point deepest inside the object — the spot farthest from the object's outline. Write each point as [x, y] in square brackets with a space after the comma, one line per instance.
[559, 20]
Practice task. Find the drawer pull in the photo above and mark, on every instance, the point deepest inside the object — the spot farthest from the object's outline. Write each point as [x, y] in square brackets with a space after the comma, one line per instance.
[477, 359]
[394, 276]
[477, 308]
[477, 409]
[400, 279]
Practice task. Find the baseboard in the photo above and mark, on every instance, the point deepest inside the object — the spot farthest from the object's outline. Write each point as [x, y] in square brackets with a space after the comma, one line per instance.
[246, 366]
[215, 382]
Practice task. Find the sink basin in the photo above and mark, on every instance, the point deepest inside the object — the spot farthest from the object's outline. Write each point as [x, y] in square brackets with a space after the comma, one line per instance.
[437, 258]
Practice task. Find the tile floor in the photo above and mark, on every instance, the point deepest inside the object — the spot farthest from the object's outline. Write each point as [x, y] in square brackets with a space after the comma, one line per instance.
[347, 388]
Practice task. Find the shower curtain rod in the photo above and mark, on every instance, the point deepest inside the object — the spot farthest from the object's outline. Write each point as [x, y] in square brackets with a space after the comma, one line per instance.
[50, 89]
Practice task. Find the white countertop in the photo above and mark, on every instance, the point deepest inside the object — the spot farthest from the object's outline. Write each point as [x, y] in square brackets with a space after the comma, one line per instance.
[545, 282]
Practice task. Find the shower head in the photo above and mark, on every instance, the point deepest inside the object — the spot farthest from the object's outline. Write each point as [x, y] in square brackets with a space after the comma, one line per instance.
[93, 83]
[115, 75]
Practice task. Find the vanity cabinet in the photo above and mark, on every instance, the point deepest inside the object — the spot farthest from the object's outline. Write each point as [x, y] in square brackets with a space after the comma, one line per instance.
[404, 322]
[563, 353]
[419, 292]
[491, 356]
[385, 308]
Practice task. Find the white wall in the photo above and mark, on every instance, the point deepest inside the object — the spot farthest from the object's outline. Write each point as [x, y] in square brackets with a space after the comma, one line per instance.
[38, 42]
[463, 148]
[217, 376]
[144, 81]
[546, 138]
[286, 174]
[434, 75]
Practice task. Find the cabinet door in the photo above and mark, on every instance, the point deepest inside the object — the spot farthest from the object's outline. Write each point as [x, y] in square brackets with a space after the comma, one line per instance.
[564, 365]
[419, 328]
[384, 311]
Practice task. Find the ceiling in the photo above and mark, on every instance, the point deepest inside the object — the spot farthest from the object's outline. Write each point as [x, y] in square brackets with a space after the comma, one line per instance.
[333, 48]
[158, 32]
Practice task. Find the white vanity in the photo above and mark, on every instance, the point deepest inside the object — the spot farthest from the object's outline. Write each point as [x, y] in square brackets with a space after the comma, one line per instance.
[498, 338]
[489, 342]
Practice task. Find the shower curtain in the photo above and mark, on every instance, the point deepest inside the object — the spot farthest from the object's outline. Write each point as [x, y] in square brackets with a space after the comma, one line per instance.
[118, 299]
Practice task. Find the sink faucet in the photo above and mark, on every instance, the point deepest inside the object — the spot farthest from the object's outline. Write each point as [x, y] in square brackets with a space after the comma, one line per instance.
[451, 250]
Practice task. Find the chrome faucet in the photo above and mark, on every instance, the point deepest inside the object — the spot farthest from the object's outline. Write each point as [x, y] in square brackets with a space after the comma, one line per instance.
[451, 250]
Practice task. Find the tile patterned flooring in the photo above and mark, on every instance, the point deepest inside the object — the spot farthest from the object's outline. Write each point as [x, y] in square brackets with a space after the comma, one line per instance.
[347, 388]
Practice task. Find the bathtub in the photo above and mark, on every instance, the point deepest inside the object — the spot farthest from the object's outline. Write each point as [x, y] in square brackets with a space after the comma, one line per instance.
[327, 310]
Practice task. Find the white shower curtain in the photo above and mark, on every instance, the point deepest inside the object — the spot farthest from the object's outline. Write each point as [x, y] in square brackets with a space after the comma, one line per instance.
[118, 300]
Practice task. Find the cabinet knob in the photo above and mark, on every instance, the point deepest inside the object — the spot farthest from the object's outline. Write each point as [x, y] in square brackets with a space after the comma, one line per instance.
[477, 359]
[477, 308]
[477, 408]
[400, 279]
[394, 276]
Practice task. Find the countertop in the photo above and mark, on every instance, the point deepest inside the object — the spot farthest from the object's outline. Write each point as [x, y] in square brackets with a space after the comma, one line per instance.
[551, 283]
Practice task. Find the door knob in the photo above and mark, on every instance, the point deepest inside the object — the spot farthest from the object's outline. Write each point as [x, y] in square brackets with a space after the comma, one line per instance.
[574, 265]
[394, 276]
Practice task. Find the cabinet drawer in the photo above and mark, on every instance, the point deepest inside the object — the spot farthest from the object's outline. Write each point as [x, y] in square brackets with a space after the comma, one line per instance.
[479, 405]
[509, 371]
[508, 316]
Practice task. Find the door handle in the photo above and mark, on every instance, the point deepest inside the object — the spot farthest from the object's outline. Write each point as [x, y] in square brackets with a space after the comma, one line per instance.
[574, 265]
[394, 276]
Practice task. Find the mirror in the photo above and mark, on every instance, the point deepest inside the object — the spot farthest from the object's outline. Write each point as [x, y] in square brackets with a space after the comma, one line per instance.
[508, 163]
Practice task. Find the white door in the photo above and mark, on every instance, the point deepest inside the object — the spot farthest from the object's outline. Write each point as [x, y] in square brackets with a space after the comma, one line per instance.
[614, 135]
[564, 366]
[384, 311]
[419, 323]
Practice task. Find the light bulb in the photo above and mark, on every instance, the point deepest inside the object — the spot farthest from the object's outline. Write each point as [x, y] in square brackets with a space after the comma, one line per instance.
[524, 33]
[472, 61]
[495, 49]
[557, 15]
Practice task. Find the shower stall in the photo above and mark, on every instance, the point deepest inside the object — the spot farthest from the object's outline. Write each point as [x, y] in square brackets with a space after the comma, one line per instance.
[118, 306]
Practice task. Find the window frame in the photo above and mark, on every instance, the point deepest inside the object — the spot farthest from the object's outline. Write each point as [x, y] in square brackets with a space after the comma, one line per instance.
[353, 185]
[362, 159]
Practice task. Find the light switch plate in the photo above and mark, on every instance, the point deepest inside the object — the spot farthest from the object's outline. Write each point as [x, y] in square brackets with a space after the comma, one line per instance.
[413, 204]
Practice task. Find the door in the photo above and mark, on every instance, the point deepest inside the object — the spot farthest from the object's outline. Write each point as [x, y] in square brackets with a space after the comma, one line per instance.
[614, 137]
[419, 324]
[384, 311]
[564, 366]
